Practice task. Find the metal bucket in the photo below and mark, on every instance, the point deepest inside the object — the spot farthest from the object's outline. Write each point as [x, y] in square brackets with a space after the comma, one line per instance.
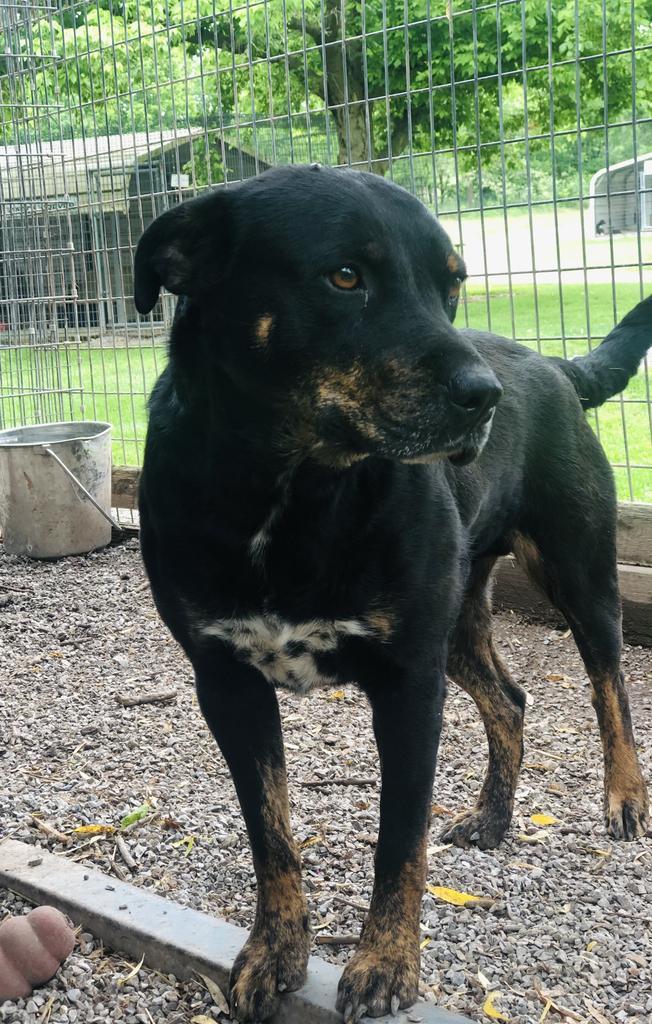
[55, 488]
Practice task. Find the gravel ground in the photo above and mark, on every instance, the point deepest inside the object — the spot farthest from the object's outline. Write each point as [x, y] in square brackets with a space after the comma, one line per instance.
[573, 910]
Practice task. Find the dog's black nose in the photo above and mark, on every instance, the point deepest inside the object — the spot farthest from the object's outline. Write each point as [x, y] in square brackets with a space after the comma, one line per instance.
[476, 390]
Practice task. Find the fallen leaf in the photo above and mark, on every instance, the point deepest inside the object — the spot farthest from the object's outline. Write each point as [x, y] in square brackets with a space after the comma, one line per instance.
[591, 946]
[598, 852]
[555, 787]
[544, 819]
[202, 1019]
[47, 1010]
[536, 837]
[94, 830]
[458, 899]
[545, 1011]
[425, 942]
[432, 850]
[336, 695]
[439, 810]
[132, 973]
[555, 677]
[484, 981]
[216, 994]
[137, 815]
[309, 842]
[490, 1009]
[188, 842]
[595, 1013]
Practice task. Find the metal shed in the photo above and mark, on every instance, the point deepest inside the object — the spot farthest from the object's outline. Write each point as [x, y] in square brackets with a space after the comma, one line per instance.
[621, 196]
[71, 213]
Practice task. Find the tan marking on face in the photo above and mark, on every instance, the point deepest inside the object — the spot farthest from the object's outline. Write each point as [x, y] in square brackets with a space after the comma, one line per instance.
[263, 329]
[374, 251]
[454, 290]
[343, 388]
[425, 460]
[353, 394]
[453, 263]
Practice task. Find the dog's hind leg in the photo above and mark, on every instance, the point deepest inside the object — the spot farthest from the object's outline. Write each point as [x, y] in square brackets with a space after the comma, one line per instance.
[579, 574]
[241, 709]
[475, 666]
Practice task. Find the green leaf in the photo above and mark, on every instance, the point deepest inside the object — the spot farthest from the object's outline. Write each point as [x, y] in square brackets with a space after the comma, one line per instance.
[137, 815]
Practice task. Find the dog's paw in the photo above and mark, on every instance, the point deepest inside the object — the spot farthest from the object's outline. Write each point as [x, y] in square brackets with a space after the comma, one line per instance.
[478, 827]
[377, 981]
[266, 966]
[627, 814]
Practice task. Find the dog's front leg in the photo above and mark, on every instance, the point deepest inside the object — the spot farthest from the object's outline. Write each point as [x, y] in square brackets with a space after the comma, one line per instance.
[383, 974]
[241, 709]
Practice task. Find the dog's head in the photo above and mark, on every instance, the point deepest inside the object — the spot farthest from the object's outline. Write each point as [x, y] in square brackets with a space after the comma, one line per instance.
[327, 298]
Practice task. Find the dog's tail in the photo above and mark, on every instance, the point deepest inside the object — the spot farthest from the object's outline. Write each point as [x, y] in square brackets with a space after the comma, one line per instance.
[606, 370]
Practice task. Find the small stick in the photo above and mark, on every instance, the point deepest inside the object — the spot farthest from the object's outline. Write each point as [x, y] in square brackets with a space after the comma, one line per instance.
[557, 1007]
[49, 830]
[119, 872]
[147, 698]
[123, 850]
[364, 907]
[315, 783]
[337, 940]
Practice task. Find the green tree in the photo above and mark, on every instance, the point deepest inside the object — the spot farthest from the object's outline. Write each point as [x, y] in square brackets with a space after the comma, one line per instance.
[346, 80]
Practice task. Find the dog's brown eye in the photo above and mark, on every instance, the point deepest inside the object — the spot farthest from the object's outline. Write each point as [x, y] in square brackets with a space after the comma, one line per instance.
[345, 277]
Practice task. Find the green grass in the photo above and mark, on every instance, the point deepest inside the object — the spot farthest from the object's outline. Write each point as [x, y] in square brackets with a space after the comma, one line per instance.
[624, 427]
[112, 384]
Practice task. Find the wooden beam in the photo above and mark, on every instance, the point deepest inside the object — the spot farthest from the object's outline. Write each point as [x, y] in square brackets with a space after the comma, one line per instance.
[514, 590]
[635, 534]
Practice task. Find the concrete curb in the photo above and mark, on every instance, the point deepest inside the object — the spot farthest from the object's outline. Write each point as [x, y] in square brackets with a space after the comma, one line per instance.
[174, 939]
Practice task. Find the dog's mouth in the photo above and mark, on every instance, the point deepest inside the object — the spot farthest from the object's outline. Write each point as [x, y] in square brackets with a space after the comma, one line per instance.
[411, 446]
[459, 451]
[339, 429]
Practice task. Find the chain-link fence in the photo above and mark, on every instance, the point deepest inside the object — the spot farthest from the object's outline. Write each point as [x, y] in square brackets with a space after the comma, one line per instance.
[524, 124]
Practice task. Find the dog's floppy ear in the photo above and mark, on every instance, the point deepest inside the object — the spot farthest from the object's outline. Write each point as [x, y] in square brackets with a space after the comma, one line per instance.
[181, 250]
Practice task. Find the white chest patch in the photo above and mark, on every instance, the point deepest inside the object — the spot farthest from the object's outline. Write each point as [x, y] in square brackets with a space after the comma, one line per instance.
[285, 652]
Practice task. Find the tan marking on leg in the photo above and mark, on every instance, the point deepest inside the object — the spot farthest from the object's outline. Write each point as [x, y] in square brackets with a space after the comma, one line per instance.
[529, 558]
[275, 956]
[625, 789]
[263, 329]
[385, 966]
[475, 666]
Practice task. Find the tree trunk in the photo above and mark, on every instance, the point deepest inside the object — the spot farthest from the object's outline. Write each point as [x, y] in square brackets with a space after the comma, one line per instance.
[345, 92]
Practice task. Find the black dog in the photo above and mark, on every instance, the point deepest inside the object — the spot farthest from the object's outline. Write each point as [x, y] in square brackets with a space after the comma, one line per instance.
[326, 489]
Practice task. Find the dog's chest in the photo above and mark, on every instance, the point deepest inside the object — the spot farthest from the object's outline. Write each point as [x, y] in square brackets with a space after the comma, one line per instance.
[291, 655]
